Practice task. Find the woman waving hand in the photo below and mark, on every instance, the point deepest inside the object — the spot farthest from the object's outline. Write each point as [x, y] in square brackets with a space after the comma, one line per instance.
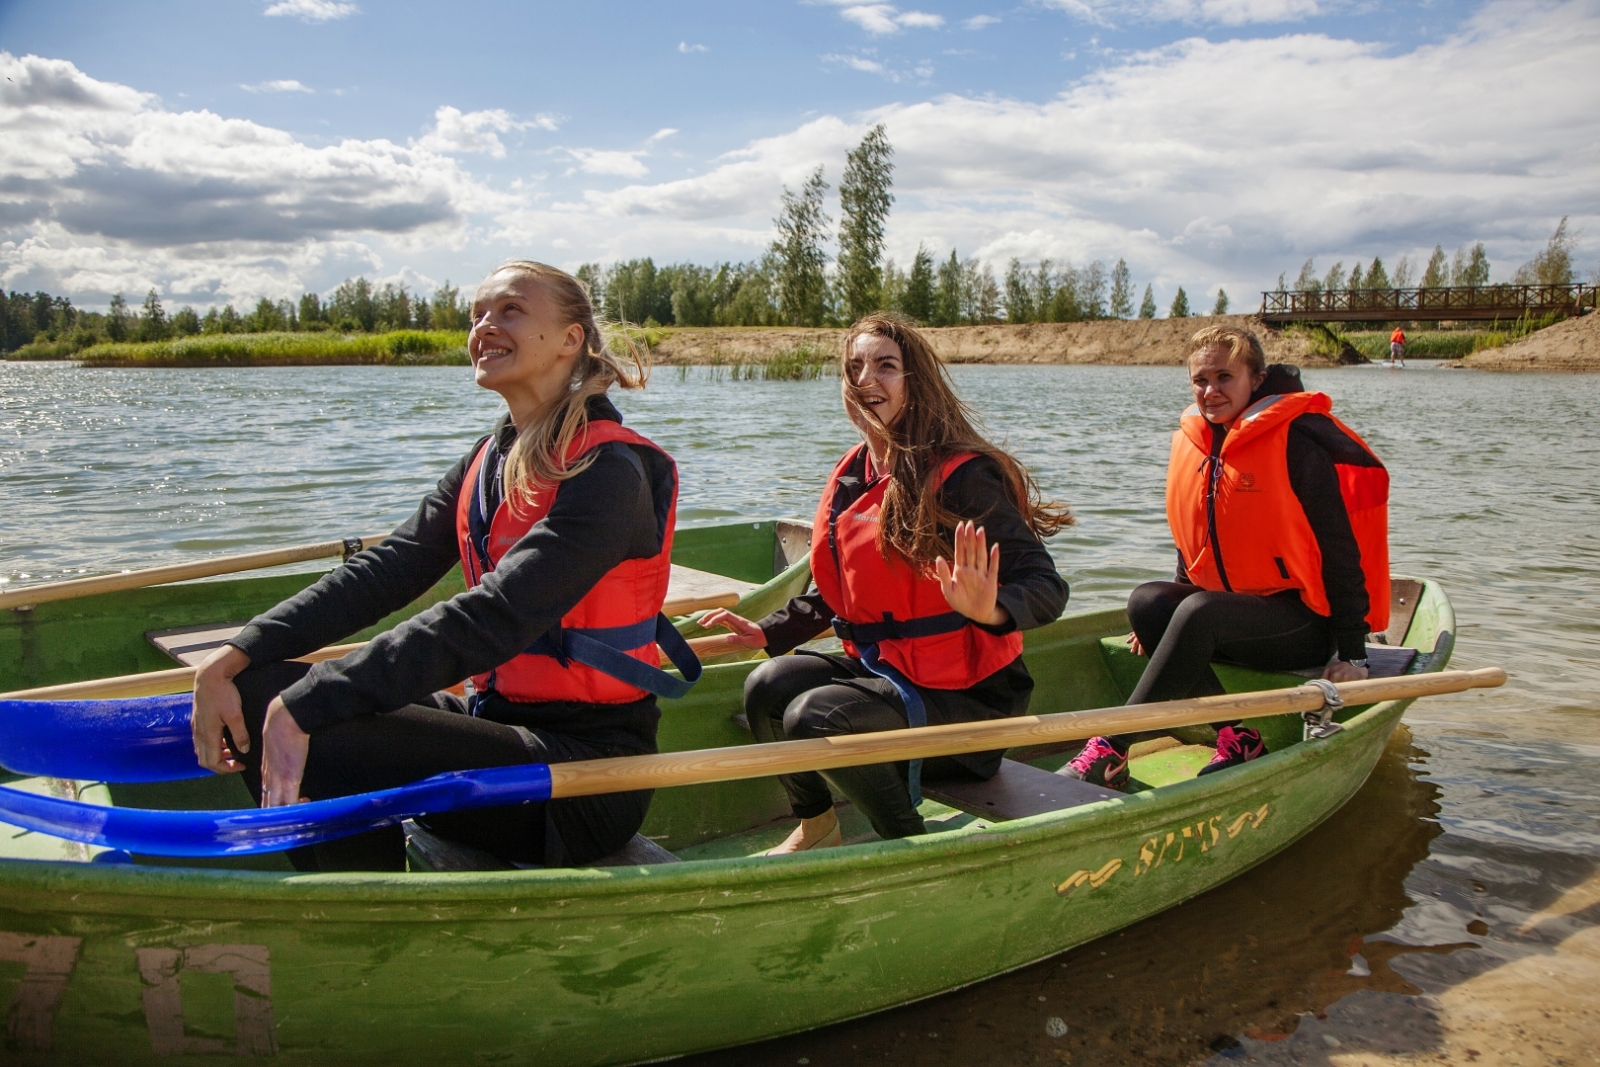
[928, 563]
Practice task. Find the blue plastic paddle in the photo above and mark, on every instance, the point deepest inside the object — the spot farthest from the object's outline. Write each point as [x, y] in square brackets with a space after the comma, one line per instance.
[134, 739]
[247, 830]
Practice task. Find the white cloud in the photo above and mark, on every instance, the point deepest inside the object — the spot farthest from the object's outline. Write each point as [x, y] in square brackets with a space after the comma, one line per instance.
[603, 161]
[662, 134]
[886, 18]
[101, 183]
[861, 63]
[285, 85]
[455, 132]
[978, 22]
[1181, 160]
[311, 10]
[867, 63]
[1224, 12]
[686, 47]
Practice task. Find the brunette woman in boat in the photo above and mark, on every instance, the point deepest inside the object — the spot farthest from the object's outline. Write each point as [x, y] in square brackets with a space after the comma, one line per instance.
[928, 563]
[1280, 514]
[562, 522]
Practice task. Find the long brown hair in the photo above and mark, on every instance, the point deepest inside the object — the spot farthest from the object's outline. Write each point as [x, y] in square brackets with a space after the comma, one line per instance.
[934, 425]
[539, 456]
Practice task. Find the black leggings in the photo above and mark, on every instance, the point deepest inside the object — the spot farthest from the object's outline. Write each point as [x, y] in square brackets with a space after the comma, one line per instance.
[1183, 628]
[811, 695]
[419, 740]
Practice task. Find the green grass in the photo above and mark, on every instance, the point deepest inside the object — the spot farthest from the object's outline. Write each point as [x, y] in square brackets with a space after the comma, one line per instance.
[1447, 344]
[286, 350]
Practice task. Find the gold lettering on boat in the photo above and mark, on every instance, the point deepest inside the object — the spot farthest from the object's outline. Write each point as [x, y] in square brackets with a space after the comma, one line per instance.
[1095, 879]
[252, 998]
[30, 1019]
[1157, 849]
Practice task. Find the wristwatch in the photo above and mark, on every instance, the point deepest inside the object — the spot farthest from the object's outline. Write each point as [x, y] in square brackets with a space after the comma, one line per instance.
[1362, 662]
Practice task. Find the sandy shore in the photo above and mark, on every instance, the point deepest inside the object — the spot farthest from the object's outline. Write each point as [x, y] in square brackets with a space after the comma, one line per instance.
[1537, 1002]
[1116, 342]
[1573, 345]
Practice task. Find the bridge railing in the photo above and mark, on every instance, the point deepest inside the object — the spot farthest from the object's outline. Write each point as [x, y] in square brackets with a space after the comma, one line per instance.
[1446, 302]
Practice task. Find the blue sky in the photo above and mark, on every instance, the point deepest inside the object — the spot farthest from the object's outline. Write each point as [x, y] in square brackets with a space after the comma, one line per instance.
[223, 151]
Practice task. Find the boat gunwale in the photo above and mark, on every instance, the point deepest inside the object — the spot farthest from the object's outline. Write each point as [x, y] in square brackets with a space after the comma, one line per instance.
[791, 877]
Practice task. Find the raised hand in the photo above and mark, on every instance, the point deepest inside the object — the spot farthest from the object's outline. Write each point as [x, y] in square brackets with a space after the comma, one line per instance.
[746, 634]
[972, 583]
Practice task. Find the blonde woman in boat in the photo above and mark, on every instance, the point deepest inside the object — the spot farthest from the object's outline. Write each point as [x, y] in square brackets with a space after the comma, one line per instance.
[562, 522]
[928, 562]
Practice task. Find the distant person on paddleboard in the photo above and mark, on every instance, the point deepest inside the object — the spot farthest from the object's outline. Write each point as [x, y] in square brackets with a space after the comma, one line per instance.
[1281, 518]
[562, 522]
[1397, 347]
[928, 563]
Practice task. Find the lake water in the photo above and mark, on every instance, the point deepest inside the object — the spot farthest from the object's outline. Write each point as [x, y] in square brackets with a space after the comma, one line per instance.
[1483, 810]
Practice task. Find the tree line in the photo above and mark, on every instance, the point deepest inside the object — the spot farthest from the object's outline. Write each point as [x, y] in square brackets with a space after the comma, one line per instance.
[1468, 268]
[356, 306]
[793, 284]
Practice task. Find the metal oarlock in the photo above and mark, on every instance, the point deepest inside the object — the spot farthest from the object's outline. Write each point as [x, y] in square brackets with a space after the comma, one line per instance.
[1319, 723]
[352, 545]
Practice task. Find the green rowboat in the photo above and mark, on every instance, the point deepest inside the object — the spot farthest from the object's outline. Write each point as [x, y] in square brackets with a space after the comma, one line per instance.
[134, 963]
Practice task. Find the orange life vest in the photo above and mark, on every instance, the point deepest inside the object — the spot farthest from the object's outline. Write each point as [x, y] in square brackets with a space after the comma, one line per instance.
[1398, 337]
[1240, 527]
[605, 650]
[886, 603]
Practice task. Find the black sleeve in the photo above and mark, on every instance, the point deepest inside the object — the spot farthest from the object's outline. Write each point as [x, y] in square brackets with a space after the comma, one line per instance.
[800, 620]
[1316, 484]
[600, 518]
[1182, 575]
[373, 583]
[1031, 589]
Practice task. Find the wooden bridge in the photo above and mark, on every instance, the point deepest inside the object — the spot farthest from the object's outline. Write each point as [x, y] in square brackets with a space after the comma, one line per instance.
[1504, 302]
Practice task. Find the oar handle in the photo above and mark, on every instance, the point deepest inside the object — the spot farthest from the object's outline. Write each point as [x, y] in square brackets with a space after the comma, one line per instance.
[178, 572]
[624, 774]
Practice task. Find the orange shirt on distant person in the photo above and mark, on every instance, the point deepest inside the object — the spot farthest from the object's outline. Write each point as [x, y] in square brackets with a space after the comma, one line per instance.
[1398, 337]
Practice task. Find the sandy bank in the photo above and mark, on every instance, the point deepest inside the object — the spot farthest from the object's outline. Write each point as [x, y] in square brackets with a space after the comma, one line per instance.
[1539, 1006]
[1117, 342]
[1573, 345]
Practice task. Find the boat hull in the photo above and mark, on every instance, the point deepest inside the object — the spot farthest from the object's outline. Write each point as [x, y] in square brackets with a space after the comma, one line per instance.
[622, 965]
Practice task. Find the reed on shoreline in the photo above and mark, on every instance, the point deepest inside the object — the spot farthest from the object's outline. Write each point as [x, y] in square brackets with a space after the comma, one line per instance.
[399, 347]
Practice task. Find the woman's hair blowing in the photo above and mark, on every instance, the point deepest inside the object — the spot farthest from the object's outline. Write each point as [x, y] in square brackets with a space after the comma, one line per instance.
[539, 456]
[934, 425]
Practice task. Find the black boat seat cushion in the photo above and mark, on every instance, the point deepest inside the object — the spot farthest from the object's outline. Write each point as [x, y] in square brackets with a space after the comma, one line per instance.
[1018, 791]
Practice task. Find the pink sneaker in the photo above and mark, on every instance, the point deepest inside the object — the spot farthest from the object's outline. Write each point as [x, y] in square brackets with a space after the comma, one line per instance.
[1100, 763]
[1235, 745]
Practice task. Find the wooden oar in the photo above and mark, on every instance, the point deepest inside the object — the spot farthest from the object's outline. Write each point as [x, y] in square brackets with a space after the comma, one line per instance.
[209, 833]
[157, 683]
[180, 572]
[590, 777]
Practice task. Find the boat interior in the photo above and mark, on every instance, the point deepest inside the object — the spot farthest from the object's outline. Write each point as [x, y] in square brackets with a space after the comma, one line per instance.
[1079, 662]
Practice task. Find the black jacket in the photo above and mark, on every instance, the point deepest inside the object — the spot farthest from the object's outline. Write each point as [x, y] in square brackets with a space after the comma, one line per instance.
[601, 517]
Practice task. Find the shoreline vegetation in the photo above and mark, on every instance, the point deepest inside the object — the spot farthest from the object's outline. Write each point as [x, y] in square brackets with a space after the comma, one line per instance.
[797, 353]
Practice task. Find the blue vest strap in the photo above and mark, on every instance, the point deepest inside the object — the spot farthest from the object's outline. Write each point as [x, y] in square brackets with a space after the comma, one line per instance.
[606, 648]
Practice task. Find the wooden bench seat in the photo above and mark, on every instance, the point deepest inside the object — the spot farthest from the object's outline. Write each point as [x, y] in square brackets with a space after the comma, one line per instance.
[191, 644]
